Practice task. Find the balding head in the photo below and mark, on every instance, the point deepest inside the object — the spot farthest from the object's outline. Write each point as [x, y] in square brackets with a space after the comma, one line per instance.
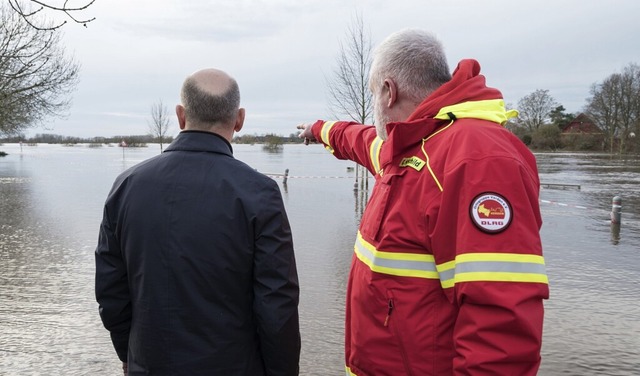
[211, 81]
[210, 102]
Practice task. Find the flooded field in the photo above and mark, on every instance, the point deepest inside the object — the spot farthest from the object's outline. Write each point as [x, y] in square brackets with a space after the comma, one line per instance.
[51, 200]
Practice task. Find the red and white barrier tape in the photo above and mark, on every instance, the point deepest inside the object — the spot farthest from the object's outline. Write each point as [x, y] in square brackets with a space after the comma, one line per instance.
[309, 177]
[352, 177]
[562, 204]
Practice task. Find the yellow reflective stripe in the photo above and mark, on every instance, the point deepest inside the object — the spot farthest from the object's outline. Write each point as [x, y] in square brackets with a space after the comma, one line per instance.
[496, 267]
[401, 264]
[433, 175]
[324, 134]
[469, 267]
[501, 277]
[490, 109]
[374, 153]
[348, 371]
[510, 257]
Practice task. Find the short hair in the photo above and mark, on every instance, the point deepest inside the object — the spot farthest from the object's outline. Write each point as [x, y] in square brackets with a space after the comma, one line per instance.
[414, 59]
[205, 110]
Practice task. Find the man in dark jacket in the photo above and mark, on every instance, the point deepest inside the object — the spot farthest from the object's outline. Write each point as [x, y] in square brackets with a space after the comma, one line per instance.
[195, 268]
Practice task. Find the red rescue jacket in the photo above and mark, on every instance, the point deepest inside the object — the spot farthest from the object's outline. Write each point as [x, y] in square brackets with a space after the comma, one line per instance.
[447, 275]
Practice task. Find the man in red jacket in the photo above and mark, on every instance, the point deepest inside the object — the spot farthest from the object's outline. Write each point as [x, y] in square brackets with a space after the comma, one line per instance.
[447, 276]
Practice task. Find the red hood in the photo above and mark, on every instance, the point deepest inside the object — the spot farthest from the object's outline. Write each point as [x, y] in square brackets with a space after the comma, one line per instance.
[467, 84]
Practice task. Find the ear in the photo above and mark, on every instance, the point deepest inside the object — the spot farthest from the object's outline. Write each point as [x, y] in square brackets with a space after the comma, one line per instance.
[239, 120]
[182, 122]
[391, 91]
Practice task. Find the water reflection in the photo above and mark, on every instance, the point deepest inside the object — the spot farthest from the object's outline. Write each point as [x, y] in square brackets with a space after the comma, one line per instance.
[615, 233]
[50, 208]
[360, 198]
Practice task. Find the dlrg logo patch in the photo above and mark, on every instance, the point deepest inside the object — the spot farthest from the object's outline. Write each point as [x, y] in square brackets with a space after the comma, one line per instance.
[490, 212]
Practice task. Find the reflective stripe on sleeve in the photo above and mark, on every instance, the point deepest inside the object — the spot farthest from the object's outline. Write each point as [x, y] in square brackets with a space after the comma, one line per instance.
[496, 267]
[374, 153]
[469, 267]
[395, 263]
[324, 134]
[348, 371]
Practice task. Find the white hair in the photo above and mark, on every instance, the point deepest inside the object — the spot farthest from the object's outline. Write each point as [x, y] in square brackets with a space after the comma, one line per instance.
[414, 60]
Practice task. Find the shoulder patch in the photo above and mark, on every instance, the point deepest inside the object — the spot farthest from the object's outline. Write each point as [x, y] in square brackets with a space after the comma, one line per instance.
[490, 212]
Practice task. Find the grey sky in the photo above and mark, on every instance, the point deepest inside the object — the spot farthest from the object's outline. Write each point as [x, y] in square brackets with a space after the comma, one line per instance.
[137, 52]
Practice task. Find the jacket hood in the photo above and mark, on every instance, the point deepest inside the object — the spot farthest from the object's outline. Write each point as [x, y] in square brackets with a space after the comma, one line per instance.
[467, 84]
[465, 95]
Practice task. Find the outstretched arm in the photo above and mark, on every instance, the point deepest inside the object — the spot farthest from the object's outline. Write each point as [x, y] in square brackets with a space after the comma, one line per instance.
[346, 140]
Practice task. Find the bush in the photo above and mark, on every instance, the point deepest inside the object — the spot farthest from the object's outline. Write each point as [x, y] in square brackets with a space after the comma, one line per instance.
[547, 137]
[583, 141]
[272, 142]
[521, 132]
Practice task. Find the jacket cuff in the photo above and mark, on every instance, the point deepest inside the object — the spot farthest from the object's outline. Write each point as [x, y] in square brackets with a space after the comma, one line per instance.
[121, 345]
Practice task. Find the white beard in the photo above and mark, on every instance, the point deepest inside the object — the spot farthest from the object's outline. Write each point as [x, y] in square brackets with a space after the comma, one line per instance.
[380, 121]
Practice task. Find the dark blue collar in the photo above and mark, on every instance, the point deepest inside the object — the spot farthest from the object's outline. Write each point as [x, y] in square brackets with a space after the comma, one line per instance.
[201, 141]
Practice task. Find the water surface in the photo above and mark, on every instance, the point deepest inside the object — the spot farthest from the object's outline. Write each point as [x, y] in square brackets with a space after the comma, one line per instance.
[51, 200]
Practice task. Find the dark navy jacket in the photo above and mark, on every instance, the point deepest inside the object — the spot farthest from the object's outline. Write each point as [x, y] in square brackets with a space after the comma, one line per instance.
[195, 268]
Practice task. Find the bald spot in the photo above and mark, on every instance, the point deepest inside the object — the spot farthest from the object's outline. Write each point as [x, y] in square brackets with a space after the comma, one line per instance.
[212, 81]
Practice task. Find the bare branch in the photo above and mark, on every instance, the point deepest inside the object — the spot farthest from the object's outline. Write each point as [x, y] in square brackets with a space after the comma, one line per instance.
[349, 93]
[615, 105]
[35, 75]
[69, 11]
[535, 109]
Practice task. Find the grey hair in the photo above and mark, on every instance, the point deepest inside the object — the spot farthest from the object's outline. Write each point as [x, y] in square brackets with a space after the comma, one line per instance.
[414, 59]
[205, 110]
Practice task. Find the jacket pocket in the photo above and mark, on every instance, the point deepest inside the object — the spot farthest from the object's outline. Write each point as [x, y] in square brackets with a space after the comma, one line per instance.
[378, 205]
[395, 322]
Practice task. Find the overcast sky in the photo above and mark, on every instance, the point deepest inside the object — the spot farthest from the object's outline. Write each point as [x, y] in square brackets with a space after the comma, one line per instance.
[138, 52]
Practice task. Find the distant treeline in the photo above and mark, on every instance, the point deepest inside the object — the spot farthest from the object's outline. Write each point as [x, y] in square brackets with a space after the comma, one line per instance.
[269, 139]
[139, 140]
[142, 140]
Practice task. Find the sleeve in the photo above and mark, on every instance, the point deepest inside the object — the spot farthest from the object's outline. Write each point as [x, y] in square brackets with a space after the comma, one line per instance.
[490, 252]
[276, 289]
[112, 288]
[352, 141]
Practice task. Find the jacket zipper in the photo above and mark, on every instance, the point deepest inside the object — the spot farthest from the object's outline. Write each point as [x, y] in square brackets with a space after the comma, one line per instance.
[386, 320]
[396, 332]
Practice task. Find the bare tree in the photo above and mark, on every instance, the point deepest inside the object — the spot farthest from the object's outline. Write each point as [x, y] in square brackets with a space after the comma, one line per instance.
[615, 105]
[30, 9]
[349, 93]
[535, 109]
[159, 124]
[36, 77]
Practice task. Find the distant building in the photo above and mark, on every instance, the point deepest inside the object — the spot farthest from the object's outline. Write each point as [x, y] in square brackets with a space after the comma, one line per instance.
[581, 124]
[582, 133]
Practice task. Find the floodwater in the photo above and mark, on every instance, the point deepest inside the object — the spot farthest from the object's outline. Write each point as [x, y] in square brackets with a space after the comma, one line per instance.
[51, 200]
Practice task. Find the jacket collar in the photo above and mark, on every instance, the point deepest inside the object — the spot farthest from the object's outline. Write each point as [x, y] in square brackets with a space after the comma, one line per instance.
[201, 141]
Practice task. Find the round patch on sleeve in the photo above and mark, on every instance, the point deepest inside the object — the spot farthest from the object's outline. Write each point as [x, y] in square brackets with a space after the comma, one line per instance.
[490, 212]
